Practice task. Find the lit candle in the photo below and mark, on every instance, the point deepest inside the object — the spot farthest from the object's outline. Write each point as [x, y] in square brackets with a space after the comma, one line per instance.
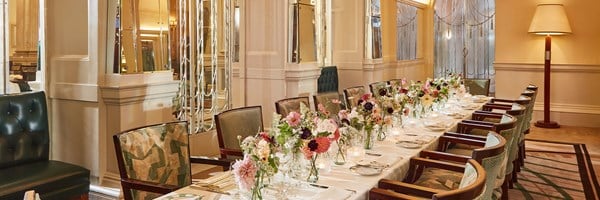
[323, 163]
[356, 154]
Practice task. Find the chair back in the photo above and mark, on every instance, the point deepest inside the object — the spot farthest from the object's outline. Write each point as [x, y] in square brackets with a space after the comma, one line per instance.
[491, 157]
[478, 86]
[285, 106]
[330, 102]
[244, 122]
[529, 113]
[156, 154]
[471, 185]
[395, 82]
[376, 88]
[328, 80]
[24, 132]
[353, 94]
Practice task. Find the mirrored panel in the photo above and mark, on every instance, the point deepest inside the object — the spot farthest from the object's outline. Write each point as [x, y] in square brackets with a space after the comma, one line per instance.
[375, 23]
[206, 47]
[303, 34]
[143, 35]
[20, 51]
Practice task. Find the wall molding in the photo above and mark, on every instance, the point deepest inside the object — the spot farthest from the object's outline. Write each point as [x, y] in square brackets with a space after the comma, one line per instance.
[111, 180]
[72, 58]
[539, 67]
[74, 91]
[131, 94]
[302, 74]
[236, 72]
[569, 108]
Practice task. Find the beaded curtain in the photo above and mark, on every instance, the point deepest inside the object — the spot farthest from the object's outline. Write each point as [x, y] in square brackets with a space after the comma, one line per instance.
[464, 38]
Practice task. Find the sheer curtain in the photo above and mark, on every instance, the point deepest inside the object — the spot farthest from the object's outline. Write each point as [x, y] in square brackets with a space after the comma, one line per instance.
[464, 38]
[406, 25]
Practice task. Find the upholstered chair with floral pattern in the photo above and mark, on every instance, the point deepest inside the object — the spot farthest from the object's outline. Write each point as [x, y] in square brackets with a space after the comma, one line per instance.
[154, 160]
[352, 95]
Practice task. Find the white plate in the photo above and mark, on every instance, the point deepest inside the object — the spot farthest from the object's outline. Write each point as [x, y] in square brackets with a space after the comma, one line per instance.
[365, 170]
[183, 197]
[408, 144]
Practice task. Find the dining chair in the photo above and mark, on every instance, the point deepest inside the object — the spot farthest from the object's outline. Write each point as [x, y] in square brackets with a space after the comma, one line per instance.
[526, 124]
[395, 82]
[478, 86]
[352, 95]
[330, 101]
[490, 151]
[328, 80]
[285, 106]
[244, 122]
[506, 126]
[376, 88]
[154, 160]
[471, 185]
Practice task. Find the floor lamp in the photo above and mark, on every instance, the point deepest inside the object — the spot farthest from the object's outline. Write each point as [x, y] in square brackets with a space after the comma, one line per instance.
[549, 19]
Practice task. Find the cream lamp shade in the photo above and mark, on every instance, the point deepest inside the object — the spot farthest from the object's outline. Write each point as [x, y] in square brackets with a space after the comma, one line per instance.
[550, 19]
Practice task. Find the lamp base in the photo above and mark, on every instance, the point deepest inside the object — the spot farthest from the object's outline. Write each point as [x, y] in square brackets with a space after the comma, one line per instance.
[547, 124]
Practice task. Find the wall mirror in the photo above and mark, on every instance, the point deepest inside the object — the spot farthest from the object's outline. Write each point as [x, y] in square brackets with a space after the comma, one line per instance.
[303, 32]
[20, 50]
[142, 32]
[207, 44]
[196, 39]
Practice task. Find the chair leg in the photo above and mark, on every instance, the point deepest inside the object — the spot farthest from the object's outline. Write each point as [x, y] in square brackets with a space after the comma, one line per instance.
[522, 152]
[508, 179]
[514, 173]
[505, 189]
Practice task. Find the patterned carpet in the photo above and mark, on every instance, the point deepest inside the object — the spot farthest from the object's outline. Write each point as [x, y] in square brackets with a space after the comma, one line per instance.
[556, 171]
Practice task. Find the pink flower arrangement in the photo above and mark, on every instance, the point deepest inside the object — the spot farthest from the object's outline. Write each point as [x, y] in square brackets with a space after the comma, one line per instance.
[259, 162]
[244, 172]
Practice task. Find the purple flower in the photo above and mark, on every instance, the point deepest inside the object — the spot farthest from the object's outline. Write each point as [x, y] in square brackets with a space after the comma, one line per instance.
[313, 145]
[369, 106]
[382, 92]
[390, 110]
[306, 133]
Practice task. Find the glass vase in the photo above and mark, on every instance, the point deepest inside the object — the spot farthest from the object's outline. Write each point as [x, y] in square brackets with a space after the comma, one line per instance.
[258, 185]
[297, 165]
[381, 130]
[340, 156]
[313, 171]
[369, 138]
[398, 119]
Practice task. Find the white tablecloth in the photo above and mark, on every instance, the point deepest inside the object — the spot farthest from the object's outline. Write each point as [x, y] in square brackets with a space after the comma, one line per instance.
[342, 183]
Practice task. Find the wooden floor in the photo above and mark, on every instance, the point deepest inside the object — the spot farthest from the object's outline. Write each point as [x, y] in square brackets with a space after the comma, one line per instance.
[588, 136]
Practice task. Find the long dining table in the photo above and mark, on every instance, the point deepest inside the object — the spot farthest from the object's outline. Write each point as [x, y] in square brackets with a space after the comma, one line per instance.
[394, 152]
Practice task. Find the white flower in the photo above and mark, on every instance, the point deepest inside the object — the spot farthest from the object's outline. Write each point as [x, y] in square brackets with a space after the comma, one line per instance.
[263, 150]
[326, 125]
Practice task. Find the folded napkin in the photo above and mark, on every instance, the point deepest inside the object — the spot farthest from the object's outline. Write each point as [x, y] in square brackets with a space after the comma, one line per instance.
[220, 177]
[333, 193]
